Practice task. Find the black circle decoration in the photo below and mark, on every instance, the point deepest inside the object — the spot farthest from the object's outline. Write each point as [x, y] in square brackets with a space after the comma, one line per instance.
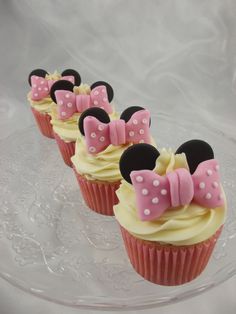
[110, 92]
[98, 113]
[196, 151]
[60, 85]
[128, 112]
[138, 157]
[74, 73]
[38, 72]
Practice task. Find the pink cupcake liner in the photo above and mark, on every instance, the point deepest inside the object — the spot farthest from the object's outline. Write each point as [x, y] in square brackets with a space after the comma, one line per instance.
[67, 150]
[43, 122]
[168, 265]
[99, 196]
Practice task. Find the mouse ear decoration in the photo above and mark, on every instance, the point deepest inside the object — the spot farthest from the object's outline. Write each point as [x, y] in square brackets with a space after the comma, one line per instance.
[128, 113]
[60, 85]
[138, 157]
[75, 74]
[37, 72]
[109, 89]
[196, 151]
[98, 113]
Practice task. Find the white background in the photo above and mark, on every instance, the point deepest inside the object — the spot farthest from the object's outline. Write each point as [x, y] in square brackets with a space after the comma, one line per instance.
[177, 57]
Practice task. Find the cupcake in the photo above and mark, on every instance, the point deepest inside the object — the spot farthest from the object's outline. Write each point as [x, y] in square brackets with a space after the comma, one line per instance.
[39, 96]
[171, 210]
[69, 102]
[97, 153]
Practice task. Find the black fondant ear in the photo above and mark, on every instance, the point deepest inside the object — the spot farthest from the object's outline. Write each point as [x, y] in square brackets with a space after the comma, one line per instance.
[72, 73]
[38, 72]
[196, 151]
[138, 157]
[98, 113]
[128, 112]
[60, 85]
[110, 92]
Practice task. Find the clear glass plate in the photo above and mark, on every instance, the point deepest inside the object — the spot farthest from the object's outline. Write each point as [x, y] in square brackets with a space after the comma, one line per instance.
[54, 247]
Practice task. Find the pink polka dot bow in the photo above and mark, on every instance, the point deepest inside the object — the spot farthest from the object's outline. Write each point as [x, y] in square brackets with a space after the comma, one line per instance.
[100, 135]
[155, 194]
[69, 103]
[40, 87]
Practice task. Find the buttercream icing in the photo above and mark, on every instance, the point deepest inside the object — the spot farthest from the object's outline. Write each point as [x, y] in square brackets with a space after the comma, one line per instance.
[184, 225]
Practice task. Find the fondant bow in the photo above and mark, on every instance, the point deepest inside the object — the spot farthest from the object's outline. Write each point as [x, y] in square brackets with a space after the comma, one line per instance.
[69, 103]
[100, 135]
[155, 193]
[40, 87]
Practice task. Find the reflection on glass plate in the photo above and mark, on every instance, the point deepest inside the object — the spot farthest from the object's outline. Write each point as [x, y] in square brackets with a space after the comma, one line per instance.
[54, 247]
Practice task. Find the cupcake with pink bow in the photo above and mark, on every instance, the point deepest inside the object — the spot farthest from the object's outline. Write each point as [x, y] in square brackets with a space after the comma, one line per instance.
[171, 210]
[98, 151]
[69, 103]
[39, 97]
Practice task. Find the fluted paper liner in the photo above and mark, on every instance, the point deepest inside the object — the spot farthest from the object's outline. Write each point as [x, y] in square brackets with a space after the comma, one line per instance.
[99, 196]
[43, 122]
[67, 150]
[168, 265]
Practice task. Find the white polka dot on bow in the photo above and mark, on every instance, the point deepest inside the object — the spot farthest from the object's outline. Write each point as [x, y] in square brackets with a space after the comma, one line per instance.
[145, 191]
[202, 185]
[100, 127]
[156, 183]
[155, 200]
[209, 172]
[92, 149]
[163, 192]
[139, 179]
[208, 196]
[215, 184]
[147, 212]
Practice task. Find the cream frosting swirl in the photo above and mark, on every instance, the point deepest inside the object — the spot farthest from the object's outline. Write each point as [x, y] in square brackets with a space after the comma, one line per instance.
[43, 105]
[103, 166]
[185, 225]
